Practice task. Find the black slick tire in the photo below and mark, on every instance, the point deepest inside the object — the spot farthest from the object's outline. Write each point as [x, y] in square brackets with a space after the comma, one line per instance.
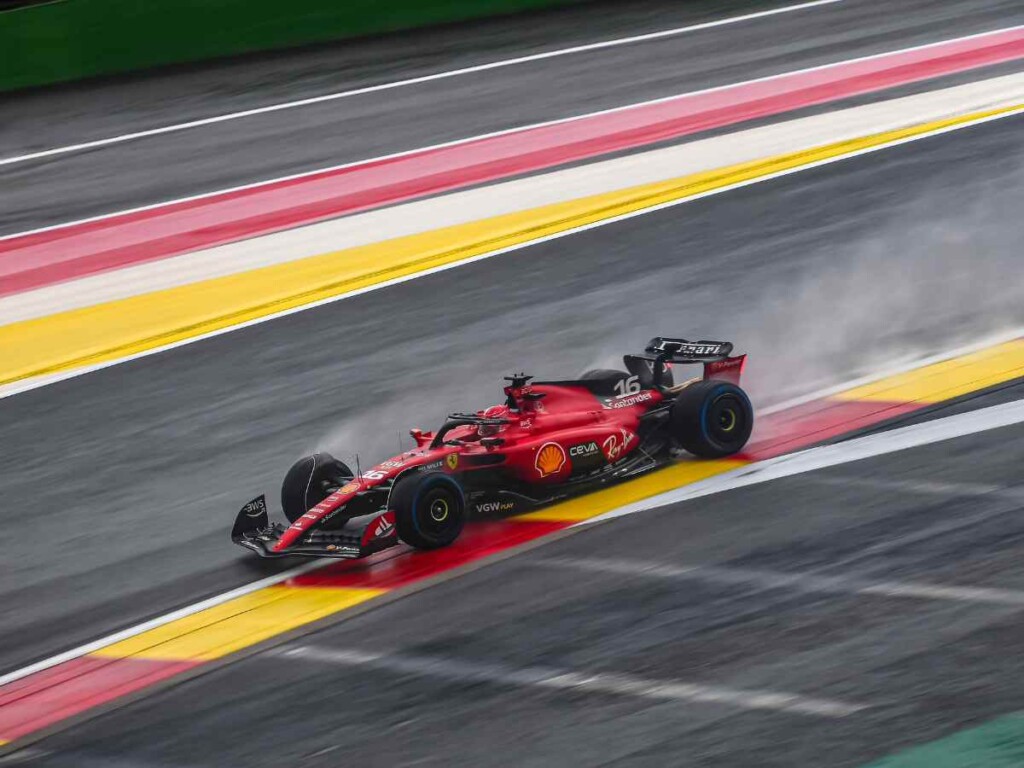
[711, 419]
[311, 480]
[430, 509]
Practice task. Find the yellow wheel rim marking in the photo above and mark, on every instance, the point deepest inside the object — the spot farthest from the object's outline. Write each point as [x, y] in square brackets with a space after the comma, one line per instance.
[729, 420]
[444, 510]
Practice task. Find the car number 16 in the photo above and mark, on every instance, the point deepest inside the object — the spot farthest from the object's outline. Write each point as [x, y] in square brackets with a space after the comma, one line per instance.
[628, 386]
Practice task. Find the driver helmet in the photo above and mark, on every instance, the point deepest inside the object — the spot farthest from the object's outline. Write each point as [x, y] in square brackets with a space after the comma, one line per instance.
[494, 412]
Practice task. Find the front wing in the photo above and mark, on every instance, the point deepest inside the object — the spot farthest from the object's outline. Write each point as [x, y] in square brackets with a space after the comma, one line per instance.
[357, 537]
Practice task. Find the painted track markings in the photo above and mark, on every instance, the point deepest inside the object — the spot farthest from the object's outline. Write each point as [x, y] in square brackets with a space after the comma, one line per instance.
[44, 350]
[824, 456]
[31, 260]
[925, 487]
[245, 621]
[573, 681]
[953, 378]
[586, 48]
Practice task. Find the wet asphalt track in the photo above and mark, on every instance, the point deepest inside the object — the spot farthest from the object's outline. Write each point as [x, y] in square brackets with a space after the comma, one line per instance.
[55, 190]
[121, 484]
[472, 650]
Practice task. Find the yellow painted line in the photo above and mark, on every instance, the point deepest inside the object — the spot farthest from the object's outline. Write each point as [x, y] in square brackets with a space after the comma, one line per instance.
[237, 624]
[670, 478]
[948, 379]
[119, 329]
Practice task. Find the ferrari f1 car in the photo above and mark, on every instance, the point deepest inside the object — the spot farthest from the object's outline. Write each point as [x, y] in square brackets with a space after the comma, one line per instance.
[548, 441]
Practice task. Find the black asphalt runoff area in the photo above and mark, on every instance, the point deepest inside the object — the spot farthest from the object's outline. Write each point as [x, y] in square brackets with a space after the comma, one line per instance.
[58, 189]
[120, 486]
[787, 587]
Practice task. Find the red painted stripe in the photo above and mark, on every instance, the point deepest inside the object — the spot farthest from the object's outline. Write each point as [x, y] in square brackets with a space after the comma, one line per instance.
[35, 260]
[477, 541]
[805, 425]
[75, 686]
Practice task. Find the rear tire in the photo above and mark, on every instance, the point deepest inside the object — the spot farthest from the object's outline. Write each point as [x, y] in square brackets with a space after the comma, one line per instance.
[311, 480]
[430, 509]
[712, 419]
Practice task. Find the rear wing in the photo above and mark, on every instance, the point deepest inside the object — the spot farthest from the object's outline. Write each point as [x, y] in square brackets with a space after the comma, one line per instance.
[715, 355]
[683, 351]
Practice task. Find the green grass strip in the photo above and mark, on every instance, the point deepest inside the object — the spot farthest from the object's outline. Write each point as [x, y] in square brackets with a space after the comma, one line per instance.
[997, 744]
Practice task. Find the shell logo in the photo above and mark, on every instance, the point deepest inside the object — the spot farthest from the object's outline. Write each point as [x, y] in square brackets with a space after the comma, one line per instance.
[550, 459]
[349, 488]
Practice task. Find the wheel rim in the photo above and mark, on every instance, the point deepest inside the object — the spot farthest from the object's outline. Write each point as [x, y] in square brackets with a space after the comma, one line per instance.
[439, 510]
[726, 420]
[436, 514]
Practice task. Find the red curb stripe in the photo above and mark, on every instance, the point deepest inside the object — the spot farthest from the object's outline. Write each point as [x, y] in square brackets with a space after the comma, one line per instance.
[75, 686]
[806, 425]
[32, 261]
[478, 540]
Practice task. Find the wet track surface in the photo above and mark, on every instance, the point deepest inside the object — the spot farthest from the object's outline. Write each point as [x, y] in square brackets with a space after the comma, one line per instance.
[120, 486]
[122, 483]
[788, 587]
[54, 190]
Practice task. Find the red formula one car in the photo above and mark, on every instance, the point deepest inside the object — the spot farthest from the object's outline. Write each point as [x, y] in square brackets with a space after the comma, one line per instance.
[546, 442]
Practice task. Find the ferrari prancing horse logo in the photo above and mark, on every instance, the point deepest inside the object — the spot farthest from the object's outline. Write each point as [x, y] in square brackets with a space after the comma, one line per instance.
[452, 460]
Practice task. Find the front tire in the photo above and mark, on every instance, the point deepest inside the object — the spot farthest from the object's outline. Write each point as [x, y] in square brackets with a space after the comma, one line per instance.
[712, 419]
[311, 480]
[430, 509]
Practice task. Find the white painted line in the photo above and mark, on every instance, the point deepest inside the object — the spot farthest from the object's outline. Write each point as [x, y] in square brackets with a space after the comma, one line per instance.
[576, 682]
[925, 487]
[456, 142]
[941, 592]
[892, 441]
[413, 81]
[510, 196]
[815, 458]
[159, 621]
[15, 388]
[805, 582]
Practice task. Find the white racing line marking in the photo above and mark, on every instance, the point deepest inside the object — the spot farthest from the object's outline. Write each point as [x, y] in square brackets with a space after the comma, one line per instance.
[15, 388]
[576, 682]
[926, 487]
[785, 466]
[822, 457]
[416, 216]
[586, 48]
[479, 137]
[805, 582]
[158, 621]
